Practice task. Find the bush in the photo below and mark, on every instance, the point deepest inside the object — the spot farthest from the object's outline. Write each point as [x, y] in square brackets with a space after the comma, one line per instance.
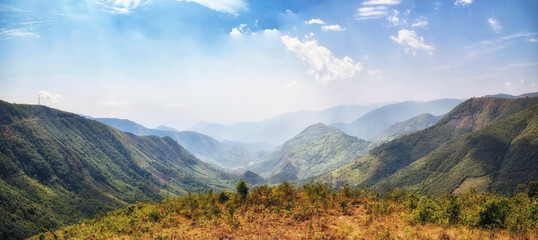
[242, 190]
[426, 210]
[494, 212]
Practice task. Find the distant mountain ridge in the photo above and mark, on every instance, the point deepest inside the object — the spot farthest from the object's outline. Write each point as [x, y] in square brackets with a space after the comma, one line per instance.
[283, 127]
[208, 149]
[375, 121]
[407, 127]
[57, 168]
[484, 142]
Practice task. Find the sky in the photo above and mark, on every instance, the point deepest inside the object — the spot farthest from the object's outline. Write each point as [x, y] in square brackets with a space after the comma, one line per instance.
[178, 62]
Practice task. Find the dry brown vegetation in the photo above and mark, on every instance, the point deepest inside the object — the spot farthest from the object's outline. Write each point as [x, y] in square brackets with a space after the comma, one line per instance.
[284, 212]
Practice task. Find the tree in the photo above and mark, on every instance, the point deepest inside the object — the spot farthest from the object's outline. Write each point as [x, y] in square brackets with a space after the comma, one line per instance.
[242, 190]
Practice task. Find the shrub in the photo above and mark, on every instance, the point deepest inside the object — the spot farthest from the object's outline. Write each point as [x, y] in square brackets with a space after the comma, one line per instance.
[223, 197]
[494, 212]
[426, 210]
[242, 190]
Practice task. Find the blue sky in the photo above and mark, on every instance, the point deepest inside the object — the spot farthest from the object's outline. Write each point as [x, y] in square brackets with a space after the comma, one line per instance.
[179, 62]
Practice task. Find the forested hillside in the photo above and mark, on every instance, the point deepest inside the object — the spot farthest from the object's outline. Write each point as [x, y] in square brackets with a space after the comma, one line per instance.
[58, 168]
[488, 142]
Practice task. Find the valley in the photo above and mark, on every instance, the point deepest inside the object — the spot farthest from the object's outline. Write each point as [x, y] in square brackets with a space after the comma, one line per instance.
[59, 168]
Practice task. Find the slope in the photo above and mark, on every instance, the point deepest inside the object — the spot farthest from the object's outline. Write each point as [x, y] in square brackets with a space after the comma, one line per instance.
[208, 149]
[376, 120]
[57, 168]
[316, 149]
[386, 159]
[498, 157]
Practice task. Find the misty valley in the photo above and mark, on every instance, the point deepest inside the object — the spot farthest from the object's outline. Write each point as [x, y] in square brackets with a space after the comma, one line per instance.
[60, 168]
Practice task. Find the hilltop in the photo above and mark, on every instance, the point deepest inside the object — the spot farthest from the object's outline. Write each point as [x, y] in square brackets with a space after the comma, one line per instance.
[315, 150]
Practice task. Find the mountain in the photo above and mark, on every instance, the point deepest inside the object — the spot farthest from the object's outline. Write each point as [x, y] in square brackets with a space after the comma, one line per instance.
[484, 142]
[497, 157]
[57, 168]
[315, 150]
[208, 149]
[283, 127]
[503, 95]
[373, 122]
[406, 127]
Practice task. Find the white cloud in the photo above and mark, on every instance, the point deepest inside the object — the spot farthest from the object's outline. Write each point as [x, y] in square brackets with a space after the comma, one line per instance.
[322, 64]
[533, 40]
[118, 6]
[315, 21]
[17, 33]
[494, 24]
[227, 6]
[238, 31]
[334, 27]
[371, 12]
[412, 41]
[463, 3]
[381, 2]
[420, 24]
[508, 85]
[394, 19]
[50, 96]
[377, 9]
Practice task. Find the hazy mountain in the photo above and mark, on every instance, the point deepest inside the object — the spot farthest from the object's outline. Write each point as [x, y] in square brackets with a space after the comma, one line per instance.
[462, 146]
[406, 127]
[208, 149]
[317, 149]
[373, 122]
[283, 127]
[165, 128]
[58, 168]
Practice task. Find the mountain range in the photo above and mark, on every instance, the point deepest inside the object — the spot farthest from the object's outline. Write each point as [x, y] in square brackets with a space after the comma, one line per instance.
[483, 143]
[58, 168]
[226, 154]
[281, 128]
[375, 121]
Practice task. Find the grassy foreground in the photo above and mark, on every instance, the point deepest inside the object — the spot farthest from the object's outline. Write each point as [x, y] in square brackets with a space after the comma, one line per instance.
[316, 212]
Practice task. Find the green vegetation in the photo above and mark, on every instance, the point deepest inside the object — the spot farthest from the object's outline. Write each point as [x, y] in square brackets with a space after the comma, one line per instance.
[484, 143]
[317, 149]
[57, 168]
[314, 211]
[208, 149]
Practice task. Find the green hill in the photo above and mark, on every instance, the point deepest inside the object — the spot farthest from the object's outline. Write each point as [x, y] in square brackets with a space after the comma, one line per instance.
[499, 156]
[315, 150]
[450, 143]
[57, 168]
